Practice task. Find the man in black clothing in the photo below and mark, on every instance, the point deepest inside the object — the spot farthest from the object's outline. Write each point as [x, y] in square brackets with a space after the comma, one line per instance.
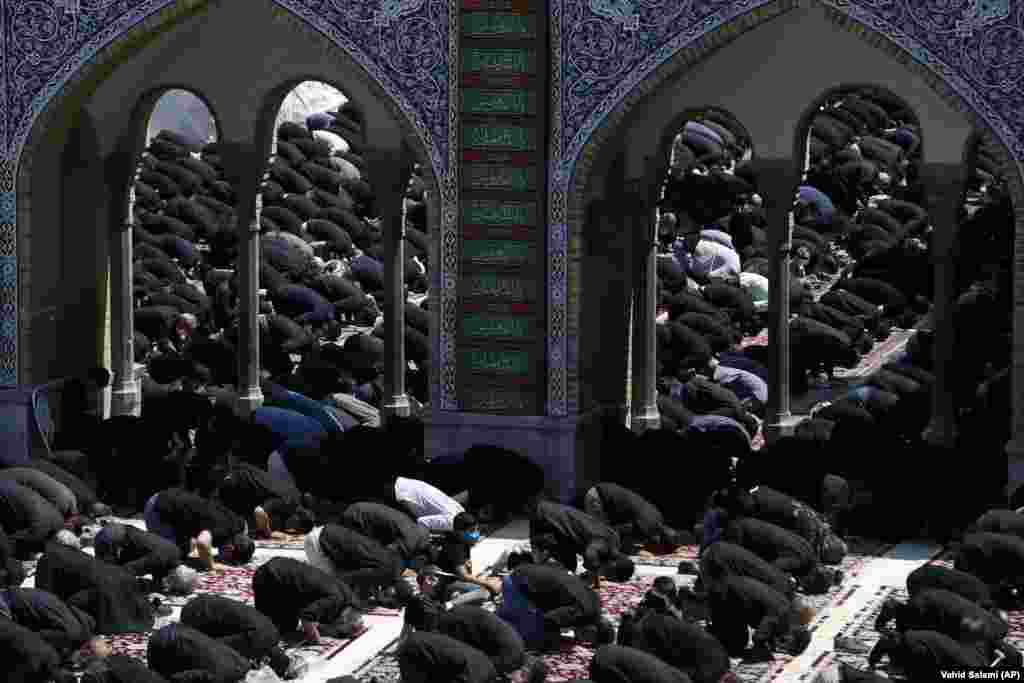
[181, 653]
[436, 658]
[637, 520]
[273, 505]
[771, 505]
[738, 603]
[931, 576]
[682, 644]
[923, 654]
[28, 519]
[84, 494]
[562, 600]
[120, 669]
[107, 593]
[359, 561]
[785, 550]
[291, 591]
[1007, 522]
[27, 658]
[137, 551]
[501, 480]
[64, 627]
[563, 532]
[996, 559]
[241, 627]
[618, 664]
[722, 559]
[181, 517]
[454, 558]
[392, 528]
[472, 625]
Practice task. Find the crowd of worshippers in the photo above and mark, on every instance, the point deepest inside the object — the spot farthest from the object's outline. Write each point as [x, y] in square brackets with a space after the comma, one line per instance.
[398, 531]
[860, 247]
[321, 269]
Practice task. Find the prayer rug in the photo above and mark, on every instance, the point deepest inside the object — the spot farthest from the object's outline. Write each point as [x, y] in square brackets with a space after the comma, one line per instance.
[298, 544]
[687, 553]
[944, 559]
[761, 339]
[877, 356]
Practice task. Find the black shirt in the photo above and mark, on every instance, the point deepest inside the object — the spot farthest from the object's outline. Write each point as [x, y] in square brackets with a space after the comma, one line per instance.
[454, 554]
[572, 528]
[961, 583]
[723, 559]
[486, 632]
[24, 514]
[245, 487]
[219, 617]
[286, 589]
[140, 549]
[943, 611]
[770, 541]
[437, 658]
[27, 658]
[615, 663]
[349, 550]
[41, 610]
[1002, 522]
[176, 649]
[924, 653]
[549, 588]
[190, 514]
[387, 525]
[623, 506]
[684, 645]
[992, 557]
[747, 599]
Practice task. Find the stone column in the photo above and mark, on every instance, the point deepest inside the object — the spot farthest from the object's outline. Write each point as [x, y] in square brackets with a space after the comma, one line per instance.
[639, 212]
[244, 167]
[944, 184]
[777, 181]
[126, 394]
[390, 171]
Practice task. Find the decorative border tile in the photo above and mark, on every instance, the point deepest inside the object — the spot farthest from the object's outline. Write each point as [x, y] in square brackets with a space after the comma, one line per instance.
[600, 55]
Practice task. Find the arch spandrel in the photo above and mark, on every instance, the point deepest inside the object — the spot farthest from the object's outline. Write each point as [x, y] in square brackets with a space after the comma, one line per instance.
[609, 64]
[402, 52]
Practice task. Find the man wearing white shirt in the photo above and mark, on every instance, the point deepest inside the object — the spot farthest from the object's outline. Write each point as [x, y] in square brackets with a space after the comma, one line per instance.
[337, 143]
[431, 507]
[703, 259]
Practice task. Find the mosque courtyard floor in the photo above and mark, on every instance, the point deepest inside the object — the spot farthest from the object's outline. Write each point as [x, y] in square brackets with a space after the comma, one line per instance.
[872, 572]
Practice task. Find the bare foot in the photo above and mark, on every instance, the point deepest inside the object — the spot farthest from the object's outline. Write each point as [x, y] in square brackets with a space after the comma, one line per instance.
[645, 553]
[100, 648]
[262, 521]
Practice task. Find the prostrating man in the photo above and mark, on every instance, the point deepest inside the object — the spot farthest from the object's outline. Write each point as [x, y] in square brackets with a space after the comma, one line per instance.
[618, 664]
[786, 551]
[966, 585]
[637, 521]
[295, 594]
[28, 519]
[27, 658]
[120, 669]
[996, 559]
[430, 506]
[563, 532]
[436, 658]
[107, 593]
[241, 627]
[141, 553]
[1008, 522]
[923, 654]
[64, 627]
[356, 560]
[722, 559]
[542, 600]
[739, 603]
[274, 505]
[56, 493]
[472, 625]
[393, 528]
[501, 481]
[183, 518]
[771, 505]
[681, 644]
[181, 653]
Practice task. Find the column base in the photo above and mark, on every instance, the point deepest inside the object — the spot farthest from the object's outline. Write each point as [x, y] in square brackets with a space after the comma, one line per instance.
[940, 433]
[397, 406]
[782, 425]
[126, 399]
[646, 418]
[248, 401]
